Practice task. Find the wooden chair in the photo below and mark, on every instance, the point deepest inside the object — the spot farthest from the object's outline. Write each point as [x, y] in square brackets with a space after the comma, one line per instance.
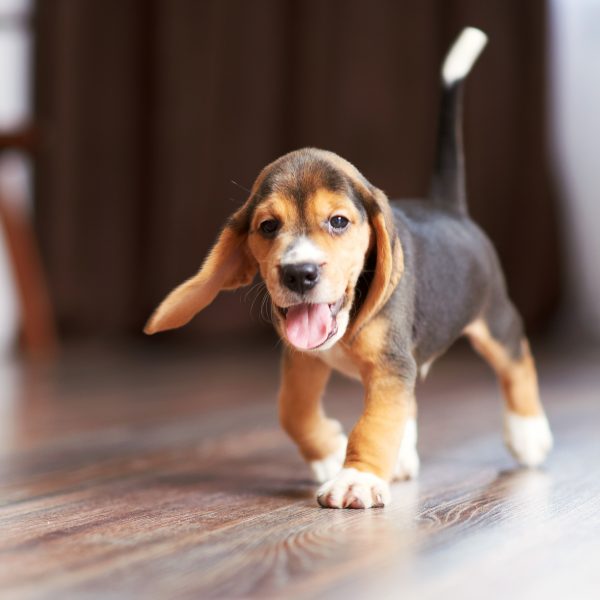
[38, 328]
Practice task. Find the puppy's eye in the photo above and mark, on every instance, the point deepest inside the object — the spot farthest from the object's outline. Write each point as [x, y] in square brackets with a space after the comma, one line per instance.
[269, 227]
[338, 222]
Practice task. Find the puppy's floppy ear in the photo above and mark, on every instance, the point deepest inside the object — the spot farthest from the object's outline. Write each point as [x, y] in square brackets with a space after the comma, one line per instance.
[389, 259]
[229, 265]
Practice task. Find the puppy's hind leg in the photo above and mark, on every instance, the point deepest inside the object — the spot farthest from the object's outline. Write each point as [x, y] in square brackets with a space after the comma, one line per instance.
[499, 338]
[320, 440]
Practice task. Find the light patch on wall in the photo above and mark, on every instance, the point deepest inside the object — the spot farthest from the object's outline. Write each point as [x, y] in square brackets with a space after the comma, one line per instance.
[574, 45]
[15, 112]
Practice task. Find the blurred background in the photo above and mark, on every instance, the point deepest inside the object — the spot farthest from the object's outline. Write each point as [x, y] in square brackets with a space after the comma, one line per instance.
[130, 129]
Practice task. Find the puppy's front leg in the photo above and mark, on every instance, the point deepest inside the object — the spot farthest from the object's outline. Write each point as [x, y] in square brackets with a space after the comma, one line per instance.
[373, 444]
[320, 440]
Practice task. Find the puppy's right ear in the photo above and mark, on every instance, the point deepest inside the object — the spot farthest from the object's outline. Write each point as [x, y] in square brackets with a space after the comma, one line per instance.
[228, 266]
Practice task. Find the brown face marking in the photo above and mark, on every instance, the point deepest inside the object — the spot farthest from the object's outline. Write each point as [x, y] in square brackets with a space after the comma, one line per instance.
[300, 189]
[346, 250]
[279, 208]
[268, 250]
[303, 190]
[343, 252]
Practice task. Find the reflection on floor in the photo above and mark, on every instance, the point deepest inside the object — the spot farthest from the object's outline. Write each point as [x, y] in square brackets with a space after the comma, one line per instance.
[162, 476]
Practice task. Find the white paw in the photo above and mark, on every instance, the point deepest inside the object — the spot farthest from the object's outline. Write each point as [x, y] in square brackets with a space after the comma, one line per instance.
[529, 439]
[327, 468]
[407, 463]
[354, 489]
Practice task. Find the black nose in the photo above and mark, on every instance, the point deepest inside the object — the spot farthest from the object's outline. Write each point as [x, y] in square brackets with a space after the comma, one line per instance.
[300, 278]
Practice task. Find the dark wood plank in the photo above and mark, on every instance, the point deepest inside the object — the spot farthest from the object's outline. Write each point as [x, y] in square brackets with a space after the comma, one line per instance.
[160, 476]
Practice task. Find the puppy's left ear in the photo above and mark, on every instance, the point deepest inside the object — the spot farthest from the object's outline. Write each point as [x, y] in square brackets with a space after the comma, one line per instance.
[389, 258]
[228, 266]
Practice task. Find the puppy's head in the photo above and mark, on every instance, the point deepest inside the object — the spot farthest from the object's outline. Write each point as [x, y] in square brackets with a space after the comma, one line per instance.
[312, 226]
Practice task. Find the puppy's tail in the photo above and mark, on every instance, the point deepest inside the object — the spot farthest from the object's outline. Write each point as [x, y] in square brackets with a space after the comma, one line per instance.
[448, 182]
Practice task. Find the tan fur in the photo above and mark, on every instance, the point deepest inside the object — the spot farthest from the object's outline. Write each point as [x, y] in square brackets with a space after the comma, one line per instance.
[388, 269]
[268, 252]
[338, 358]
[300, 411]
[390, 260]
[235, 258]
[347, 250]
[228, 266]
[518, 378]
[374, 442]
[300, 200]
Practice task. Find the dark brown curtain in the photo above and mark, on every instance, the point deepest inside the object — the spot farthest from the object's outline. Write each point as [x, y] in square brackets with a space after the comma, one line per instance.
[148, 110]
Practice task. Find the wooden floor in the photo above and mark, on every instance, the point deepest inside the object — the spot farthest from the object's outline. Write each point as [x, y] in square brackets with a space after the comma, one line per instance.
[146, 475]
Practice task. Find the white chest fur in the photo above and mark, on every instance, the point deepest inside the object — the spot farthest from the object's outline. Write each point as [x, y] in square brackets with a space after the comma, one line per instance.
[338, 359]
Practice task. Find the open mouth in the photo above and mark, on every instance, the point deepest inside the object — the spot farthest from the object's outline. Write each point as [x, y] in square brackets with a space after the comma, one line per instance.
[308, 326]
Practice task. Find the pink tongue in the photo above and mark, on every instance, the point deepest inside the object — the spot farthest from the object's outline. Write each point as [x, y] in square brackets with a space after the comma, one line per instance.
[308, 325]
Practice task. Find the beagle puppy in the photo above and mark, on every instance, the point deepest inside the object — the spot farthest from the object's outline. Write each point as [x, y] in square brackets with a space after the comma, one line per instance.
[376, 290]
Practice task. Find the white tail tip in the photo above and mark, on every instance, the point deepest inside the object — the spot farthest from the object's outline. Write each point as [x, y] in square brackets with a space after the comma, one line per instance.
[463, 54]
